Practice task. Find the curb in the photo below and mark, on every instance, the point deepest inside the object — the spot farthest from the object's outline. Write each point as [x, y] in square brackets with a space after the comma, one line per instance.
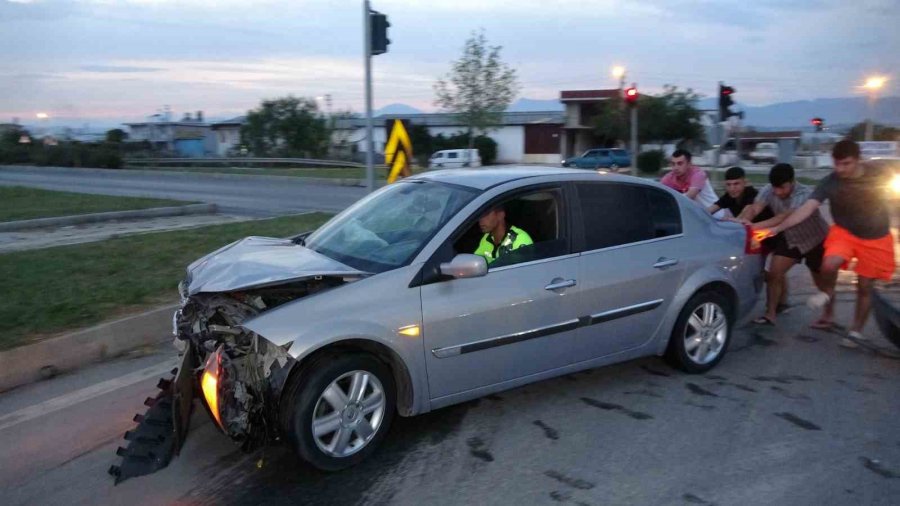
[43, 360]
[153, 212]
[211, 175]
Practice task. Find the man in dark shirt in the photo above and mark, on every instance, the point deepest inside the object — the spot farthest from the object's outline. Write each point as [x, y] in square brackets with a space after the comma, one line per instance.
[738, 195]
[858, 194]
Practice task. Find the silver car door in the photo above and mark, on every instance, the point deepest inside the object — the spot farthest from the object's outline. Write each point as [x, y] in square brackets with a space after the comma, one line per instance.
[630, 266]
[519, 319]
[515, 321]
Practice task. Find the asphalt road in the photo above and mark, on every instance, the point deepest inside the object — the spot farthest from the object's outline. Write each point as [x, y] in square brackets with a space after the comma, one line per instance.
[787, 418]
[248, 196]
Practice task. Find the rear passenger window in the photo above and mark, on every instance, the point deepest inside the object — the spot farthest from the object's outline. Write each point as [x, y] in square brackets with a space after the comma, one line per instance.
[451, 155]
[664, 213]
[614, 214]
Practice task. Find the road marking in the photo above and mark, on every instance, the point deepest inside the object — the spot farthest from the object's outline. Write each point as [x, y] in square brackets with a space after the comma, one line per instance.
[78, 396]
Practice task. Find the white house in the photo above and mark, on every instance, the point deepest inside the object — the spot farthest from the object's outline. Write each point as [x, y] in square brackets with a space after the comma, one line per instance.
[522, 137]
[228, 134]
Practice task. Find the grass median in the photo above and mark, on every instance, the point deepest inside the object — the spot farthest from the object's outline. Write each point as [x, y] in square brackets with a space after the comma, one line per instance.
[48, 291]
[20, 203]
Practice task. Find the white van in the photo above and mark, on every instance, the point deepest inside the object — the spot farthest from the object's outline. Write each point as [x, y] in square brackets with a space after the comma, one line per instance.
[454, 159]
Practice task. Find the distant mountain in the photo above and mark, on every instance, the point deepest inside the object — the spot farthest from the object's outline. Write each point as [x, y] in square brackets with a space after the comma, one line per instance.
[835, 111]
[396, 109]
[535, 105]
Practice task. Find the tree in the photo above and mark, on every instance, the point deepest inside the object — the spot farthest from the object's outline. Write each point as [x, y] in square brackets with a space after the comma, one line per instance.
[879, 133]
[290, 127]
[116, 135]
[478, 88]
[670, 116]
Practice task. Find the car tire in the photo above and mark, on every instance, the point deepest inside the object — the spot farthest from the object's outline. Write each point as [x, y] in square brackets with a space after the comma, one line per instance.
[702, 333]
[329, 438]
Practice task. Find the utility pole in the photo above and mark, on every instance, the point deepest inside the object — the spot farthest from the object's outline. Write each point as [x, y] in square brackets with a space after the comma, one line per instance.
[367, 55]
[720, 134]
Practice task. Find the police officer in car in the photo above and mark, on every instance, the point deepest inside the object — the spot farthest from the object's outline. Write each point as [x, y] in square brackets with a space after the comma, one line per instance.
[499, 238]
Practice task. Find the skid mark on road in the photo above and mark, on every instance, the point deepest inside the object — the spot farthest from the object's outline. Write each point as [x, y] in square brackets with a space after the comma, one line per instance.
[698, 390]
[789, 395]
[738, 386]
[568, 480]
[878, 468]
[705, 407]
[784, 379]
[477, 449]
[691, 498]
[549, 432]
[655, 372]
[645, 392]
[799, 422]
[607, 406]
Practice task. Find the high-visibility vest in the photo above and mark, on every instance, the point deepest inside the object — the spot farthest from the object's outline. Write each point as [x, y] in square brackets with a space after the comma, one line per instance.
[515, 238]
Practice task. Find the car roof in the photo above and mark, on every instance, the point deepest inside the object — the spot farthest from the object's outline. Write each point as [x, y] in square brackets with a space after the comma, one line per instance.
[484, 178]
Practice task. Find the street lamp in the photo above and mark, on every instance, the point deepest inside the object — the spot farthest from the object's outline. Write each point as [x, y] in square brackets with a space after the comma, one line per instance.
[44, 117]
[873, 84]
[618, 72]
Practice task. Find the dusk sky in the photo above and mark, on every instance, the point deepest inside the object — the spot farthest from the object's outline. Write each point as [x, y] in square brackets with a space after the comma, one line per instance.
[101, 61]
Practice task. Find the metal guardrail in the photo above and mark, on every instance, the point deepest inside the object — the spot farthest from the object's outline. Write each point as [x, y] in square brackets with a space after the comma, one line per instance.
[309, 162]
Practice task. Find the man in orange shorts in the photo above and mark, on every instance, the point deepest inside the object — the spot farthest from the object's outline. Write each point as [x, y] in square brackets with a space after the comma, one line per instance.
[861, 211]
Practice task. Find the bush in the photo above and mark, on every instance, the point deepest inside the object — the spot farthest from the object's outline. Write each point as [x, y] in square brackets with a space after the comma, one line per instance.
[104, 158]
[650, 162]
[487, 149]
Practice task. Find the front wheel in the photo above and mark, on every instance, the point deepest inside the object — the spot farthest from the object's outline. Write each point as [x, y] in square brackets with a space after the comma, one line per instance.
[341, 411]
[701, 334]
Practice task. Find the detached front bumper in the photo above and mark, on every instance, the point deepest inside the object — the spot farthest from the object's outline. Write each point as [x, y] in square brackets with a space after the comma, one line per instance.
[161, 431]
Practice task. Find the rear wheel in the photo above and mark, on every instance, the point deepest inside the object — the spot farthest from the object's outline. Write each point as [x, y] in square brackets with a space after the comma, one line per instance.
[341, 410]
[701, 334]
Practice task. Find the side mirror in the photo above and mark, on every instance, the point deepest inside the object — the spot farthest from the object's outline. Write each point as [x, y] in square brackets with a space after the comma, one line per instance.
[465, 265]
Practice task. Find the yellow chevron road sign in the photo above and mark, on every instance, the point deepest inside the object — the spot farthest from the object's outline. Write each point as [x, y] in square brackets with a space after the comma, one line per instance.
[398, 150]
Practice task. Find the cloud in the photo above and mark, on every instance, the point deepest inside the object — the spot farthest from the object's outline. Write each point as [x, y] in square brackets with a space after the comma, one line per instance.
[117, 69]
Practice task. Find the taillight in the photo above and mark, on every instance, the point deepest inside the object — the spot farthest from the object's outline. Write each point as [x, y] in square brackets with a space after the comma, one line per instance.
[209, 382]
[753, 243]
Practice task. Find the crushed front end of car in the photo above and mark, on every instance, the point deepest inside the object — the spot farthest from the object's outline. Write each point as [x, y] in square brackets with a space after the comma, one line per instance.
[237, 374]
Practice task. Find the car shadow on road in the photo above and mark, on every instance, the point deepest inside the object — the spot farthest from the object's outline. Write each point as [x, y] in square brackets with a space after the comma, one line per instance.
[282, 478]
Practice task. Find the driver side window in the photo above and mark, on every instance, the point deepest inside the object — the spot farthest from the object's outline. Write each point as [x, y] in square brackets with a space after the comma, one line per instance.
[531, 226]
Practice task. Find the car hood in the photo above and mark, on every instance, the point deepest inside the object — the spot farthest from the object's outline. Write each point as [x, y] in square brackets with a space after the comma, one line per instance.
[253, 262]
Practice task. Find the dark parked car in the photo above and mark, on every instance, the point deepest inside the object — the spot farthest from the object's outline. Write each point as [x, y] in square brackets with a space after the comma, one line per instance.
[600, 159]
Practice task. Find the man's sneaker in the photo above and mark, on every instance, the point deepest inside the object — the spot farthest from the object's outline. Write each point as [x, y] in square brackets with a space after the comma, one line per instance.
[851, 340]
[818, 300]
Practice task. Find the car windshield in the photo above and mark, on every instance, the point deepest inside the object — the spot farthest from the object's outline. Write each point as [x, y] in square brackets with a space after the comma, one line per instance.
[389, 227]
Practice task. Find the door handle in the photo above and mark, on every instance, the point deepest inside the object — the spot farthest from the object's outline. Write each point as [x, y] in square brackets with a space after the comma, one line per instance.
[556, 285]
[663, 262]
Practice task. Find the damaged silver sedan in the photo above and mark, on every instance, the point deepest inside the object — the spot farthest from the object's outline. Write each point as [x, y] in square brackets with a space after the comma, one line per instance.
[319, 340]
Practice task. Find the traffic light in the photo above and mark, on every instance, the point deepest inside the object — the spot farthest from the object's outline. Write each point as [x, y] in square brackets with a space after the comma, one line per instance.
[725, 102]
[819, 123]
[631, 96]
[380, 41]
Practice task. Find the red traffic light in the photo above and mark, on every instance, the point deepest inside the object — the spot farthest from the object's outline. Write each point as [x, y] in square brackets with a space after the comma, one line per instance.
[816, 121]
[631, 95]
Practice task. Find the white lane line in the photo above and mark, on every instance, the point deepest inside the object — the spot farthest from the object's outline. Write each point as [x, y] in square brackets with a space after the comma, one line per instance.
[87, 393]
